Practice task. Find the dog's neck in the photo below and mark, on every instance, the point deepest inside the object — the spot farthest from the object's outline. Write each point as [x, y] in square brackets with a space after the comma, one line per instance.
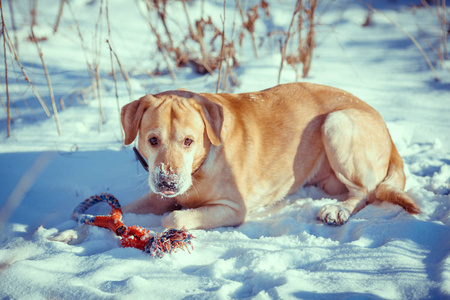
[199, 165]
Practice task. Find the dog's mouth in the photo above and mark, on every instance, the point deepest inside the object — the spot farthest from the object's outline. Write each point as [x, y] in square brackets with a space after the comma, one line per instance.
[167, 193]
[167, 185]
[167, 189]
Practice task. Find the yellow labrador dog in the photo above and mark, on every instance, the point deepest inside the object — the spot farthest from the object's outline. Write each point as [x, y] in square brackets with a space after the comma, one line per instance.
[214, 157]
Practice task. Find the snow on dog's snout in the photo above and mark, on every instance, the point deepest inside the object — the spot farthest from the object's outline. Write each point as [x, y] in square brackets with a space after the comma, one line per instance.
[166, 181]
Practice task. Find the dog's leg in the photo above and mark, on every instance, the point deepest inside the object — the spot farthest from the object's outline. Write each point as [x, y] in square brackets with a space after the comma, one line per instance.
[151, 204]
[224, 213]
[327, 180]
[358, 148]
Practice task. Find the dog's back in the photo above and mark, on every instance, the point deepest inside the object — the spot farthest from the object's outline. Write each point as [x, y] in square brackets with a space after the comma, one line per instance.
[282, 144]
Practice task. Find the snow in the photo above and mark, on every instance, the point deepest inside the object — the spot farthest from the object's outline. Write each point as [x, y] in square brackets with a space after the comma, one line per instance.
[281, 251]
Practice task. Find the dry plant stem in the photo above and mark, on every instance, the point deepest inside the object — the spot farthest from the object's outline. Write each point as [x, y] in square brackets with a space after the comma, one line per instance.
[228, 74]
[13, 21]
[172, 74]
[197, 37]
[123, 71]
[112, 64]
[223, 45]
[96, 67]
[430, 44]
[236, 8]
[115, 86]
[108, 23]
[8, 119]
[161, 47]
[50, 89]
[163, 19]
[436, 77]
[255, 48]
[249, 25]
[27, 79]
[191, 30]
[58, 19]
[83, 46]
[441, 52]
[300, 41]
[299, 30]
[100, 109]
[284, 47]
[33, 4]
[309, 46]
[161, 11]
[444, 29]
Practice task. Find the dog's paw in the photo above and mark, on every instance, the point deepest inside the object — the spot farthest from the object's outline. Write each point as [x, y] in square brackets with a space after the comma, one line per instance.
[334, 214]
[170, 221]
[188, 219]
[176, 220]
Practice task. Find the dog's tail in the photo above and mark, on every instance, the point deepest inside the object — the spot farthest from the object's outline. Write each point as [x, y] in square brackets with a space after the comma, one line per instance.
[391, 188]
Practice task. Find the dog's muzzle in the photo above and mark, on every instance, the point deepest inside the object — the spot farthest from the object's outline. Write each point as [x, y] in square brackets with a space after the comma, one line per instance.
[166, 184]
[162, 182]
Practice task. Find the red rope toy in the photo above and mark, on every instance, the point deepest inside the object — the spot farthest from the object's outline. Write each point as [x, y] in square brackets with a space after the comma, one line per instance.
[134, 236]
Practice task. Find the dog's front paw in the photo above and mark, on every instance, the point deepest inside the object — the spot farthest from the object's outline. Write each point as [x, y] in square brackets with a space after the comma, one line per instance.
[188, 219]
[334, 214]
[179, 219]
[170, 221]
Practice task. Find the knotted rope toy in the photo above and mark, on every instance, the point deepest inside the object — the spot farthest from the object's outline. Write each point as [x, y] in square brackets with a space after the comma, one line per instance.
[134, 236]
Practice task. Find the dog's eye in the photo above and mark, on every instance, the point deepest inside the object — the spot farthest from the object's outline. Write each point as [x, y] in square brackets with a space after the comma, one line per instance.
[153, 141]
[188, 142]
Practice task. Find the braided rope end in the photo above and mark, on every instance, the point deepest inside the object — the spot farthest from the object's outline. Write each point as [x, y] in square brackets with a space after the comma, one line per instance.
[169, 241]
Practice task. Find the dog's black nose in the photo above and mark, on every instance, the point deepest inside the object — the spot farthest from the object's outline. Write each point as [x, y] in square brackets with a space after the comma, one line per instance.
[164, 185]
[167, 182]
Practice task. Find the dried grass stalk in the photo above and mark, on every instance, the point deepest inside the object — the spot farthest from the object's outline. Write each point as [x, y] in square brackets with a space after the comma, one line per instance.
[50, 89]
[298, 8]
[307, 51]
[445, 30]
[123, 71]
[85, 50]
[96, 63]
[223, 45]
[58, 19]
[13, 23]
[26, 77]
[416, 43]
[112, 65]
[161, 47]
[8, 119]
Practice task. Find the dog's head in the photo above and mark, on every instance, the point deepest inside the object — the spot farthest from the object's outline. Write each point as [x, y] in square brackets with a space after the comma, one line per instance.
[176, 130]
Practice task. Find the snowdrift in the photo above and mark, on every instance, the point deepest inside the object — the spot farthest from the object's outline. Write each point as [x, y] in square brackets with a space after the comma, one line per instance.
[281, 251]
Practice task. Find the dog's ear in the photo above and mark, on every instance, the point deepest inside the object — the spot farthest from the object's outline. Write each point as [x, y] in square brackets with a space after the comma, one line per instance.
[131, 115]
[212, 116]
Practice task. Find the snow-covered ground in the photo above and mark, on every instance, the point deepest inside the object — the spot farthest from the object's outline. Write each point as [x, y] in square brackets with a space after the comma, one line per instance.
[280, 252]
